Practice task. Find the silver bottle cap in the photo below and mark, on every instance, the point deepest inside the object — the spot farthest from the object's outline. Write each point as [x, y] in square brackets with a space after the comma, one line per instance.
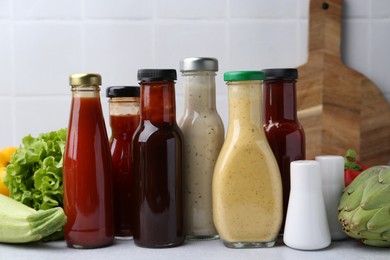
[199, 64]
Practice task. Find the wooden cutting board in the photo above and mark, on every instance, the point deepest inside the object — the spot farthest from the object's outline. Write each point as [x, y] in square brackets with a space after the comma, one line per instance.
[339, 107]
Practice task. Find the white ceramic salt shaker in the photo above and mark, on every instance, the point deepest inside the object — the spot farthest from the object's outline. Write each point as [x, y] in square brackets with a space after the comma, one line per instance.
[332, 179]
[306, 222]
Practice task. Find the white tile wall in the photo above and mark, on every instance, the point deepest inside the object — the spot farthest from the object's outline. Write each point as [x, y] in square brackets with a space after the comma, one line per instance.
[43, 41]
[7, 125]
[380, 8]
[40, 114]
[262, 9]
[4, 9]
[267, 44]
[356, 8]
[118, 9]
[175, 40]
[190, 9]
[113, 49]
[45, 54]
[380, 54]
[47, 9]
[6, 86]
[354, 30]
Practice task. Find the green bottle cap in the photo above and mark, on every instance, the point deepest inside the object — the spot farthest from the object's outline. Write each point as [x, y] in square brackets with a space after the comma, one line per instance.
[243, 75]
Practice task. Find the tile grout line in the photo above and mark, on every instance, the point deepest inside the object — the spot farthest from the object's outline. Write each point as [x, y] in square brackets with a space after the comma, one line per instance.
[227, 34]
[83, 40]
[369, 44]
[13, 71]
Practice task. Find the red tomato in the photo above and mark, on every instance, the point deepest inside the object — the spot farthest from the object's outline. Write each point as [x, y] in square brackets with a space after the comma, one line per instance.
[350, 175]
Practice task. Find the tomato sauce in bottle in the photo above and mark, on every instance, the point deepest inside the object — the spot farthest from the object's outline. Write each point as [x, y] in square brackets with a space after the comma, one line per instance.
[284, 133]
[157, 157]
[124, 119]
[87, 168]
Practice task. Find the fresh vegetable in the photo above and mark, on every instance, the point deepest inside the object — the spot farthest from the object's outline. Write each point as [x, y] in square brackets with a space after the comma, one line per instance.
[352, 167]
[34, 174]
[5, 157]
[3, 189]
[364, 208]
[20, 223]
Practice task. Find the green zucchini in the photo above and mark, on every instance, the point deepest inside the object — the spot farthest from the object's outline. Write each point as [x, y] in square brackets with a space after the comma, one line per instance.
[21, 224]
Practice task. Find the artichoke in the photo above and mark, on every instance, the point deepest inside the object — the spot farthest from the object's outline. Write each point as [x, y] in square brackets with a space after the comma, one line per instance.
[364, 208]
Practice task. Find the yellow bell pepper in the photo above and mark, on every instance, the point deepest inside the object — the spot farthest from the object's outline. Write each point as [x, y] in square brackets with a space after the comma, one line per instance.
[5, 158]
[5, 155]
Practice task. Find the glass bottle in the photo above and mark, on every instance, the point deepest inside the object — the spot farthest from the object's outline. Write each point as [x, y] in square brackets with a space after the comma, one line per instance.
[203, 132]
[284, 133]
[124, 119]
[157, 158]
[87, 168]
[247, 189]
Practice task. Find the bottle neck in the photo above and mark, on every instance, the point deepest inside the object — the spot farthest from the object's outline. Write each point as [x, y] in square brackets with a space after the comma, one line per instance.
[279, 100]
[158, 101]
[124, 114]
[124, 106]
[86, 91]
[245, 107]
[199, 91]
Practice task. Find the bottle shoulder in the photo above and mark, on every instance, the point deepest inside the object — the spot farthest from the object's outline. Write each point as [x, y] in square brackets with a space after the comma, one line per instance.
[246, 156]
[147, 131]
[201, 122]
[287, 126]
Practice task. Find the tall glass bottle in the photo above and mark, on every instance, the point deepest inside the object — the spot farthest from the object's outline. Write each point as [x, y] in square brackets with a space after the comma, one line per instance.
[203, 132]
[124, 119]
[157, 158]
[284, 133]
[247, 189]
[87, 168]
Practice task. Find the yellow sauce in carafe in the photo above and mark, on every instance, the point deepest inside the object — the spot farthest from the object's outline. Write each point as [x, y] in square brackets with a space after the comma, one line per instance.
[247, 190]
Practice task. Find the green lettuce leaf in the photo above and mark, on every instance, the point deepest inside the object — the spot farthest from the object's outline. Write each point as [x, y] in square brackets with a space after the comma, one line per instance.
[34, 175]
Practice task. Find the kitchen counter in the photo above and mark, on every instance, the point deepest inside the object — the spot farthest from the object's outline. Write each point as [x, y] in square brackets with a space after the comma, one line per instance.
[347, 249]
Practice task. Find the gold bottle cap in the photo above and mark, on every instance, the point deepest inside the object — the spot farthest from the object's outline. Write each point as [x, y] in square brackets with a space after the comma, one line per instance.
[85, 79]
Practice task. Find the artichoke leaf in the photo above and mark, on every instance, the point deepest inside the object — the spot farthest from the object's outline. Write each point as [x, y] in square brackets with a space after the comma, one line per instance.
[368, 235]
[376, 195]
[361, 179]
[380, 221]
[345, 218]
[359, 220]
[386, 235]
[384, 176]
[378, 243]
[348, 202]
[364, 208]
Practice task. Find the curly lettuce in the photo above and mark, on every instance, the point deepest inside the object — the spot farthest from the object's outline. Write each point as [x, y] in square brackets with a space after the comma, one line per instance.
[34, 174]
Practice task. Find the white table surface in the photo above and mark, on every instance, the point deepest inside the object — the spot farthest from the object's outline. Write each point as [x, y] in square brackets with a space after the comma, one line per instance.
[347, 249]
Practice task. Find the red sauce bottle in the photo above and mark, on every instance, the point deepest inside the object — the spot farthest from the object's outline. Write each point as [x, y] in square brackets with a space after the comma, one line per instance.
[284, 133]
[87, 168]
[157, 157]
[124, 119]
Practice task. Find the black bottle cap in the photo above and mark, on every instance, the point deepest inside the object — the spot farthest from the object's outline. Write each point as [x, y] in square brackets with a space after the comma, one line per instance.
[283, 73]
[156, 74]
[122, 91]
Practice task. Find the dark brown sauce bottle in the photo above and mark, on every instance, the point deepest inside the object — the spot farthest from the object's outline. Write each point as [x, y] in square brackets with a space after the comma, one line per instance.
[284, 133]
[157, 158]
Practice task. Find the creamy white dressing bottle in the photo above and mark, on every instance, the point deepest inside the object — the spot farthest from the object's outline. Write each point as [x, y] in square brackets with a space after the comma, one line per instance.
[203, 132]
